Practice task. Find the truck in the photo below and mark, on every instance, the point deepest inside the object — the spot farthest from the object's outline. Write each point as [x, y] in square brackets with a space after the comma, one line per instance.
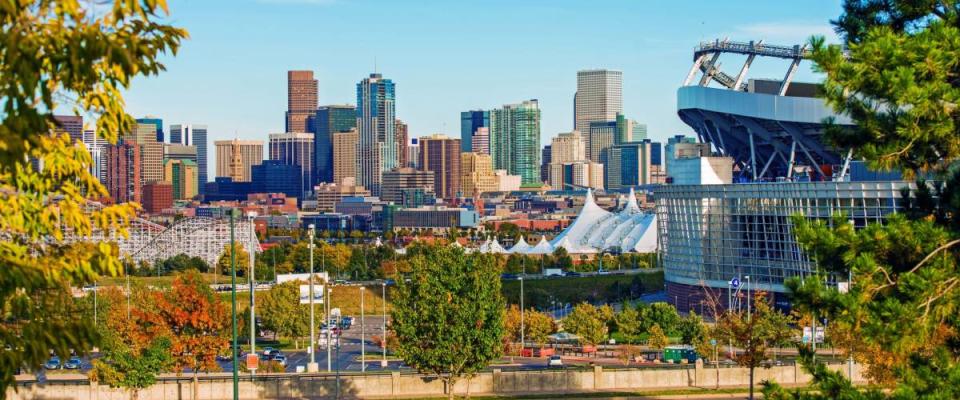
[552, 272]
[680, 353]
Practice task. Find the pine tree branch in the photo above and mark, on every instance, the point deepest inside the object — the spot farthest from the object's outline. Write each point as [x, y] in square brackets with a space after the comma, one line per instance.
[933, 253]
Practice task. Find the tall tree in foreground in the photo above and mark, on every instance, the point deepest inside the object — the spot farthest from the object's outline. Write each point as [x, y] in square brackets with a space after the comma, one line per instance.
[753, 333]
[449, 317]
[899, 83]
[59, 55]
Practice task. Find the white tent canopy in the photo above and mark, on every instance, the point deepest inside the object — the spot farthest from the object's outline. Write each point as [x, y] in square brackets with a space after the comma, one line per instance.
[595, 229]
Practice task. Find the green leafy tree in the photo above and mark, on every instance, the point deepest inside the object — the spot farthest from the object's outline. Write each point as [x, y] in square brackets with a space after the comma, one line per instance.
[280, 311]
[562, 259]
[662, 314]
[628, 321]
[691, 329]
[657, 339]
[59, 55]
[449, 317]
[243, 261]
[896, 79]
[585, 322]
[539, 326]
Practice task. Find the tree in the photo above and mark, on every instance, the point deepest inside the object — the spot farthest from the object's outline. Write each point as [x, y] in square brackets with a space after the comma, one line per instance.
[896, 79]
[562, 259]
[657, 339]
[628, 321]
[449, 317]
[585, 322]
[197, 321]
[662, 314]
[539, 326]
[753, 332]
[691, 329]
[280, 311]
[243, 261]
[57, 56]
[629, 352]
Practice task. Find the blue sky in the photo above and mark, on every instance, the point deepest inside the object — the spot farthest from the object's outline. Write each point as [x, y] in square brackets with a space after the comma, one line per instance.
[451, 56]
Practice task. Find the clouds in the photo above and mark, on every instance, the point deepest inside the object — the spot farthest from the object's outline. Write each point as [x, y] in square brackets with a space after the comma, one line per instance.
[783, 32]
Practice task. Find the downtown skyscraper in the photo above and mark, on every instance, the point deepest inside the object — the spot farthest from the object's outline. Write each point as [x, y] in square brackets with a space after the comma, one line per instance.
[599, 97]
[294, 148]
[376, 125]
[301, 100]
[474, 128]
[193, 135]
[515, 140]
[327, 121]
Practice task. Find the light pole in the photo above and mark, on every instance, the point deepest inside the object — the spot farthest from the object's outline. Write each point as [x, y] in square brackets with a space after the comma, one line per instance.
[253, 281]
[233, 302]
[749, 310]
[312, 366]
[521, 318]
[363, 333]
[383, 340]
[329, 328]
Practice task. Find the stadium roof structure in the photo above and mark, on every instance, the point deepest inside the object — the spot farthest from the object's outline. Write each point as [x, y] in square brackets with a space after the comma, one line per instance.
[771, 128]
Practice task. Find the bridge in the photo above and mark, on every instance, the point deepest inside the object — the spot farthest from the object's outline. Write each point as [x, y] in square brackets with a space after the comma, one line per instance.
[201, 237]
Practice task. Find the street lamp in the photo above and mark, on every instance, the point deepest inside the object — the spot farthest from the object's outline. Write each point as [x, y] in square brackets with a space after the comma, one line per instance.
[328, 302]
[363, 338]
[312, 366]
[521, 318]
[383, 339]
[749, 311]
[233, 303]
[253, 319]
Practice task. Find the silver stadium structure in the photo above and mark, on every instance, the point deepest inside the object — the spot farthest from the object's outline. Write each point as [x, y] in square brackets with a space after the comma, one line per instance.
[713, 239]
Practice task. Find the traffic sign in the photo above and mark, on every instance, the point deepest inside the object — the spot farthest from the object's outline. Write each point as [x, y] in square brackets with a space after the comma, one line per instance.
[735, 283]
[252, 361]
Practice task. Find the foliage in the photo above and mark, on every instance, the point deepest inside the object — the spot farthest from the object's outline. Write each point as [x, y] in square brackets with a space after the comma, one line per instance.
[539, 293]
[242, 257]
[586, 322]
[449, 317]
[280, 310]
[539, 326]
[177, 263]
[753, 332]
[659, 313]
[657, 339]
[627, 321]
[135, 370]
[628, 353]
[197, 320]
[57, 55]
[562, 259]
[692, 329]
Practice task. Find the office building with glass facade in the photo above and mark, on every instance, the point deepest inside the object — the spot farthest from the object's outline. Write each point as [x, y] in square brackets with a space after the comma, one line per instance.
[470, 121]
[515, 140]
[327, 121]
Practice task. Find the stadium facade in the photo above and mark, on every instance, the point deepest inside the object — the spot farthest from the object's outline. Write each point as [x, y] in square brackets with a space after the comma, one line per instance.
[712, 236]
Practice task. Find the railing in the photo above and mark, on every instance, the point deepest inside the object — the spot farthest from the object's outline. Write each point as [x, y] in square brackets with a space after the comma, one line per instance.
[756, 48]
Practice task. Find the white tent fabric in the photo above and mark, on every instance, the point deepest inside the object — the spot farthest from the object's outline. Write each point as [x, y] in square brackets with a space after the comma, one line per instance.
[595, 229]
[496, 248]
[543, 247]
[521, 247]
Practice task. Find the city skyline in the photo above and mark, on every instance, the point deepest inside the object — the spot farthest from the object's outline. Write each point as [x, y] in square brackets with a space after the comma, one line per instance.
[653, 61]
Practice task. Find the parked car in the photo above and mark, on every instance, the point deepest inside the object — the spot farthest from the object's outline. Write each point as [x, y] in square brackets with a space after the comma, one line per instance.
[73, 363]
[346, 322]
[280, 359]
[555, 361]
[53, 363]
[508, 277]
[268, 351]
[572, 274]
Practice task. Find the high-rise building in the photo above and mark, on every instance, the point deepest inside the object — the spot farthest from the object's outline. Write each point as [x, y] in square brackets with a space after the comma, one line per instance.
[173, 151]
[345, 155]
[273, 176]
[236, 157]
[329, 120]
[123, 172]
[182, 175]
[156, 122]
[629, 130]
[481, 141]
[328, 194]
[301, 100]
[470, 123]
[441, 155]
[71, 125]
[401, 137]
[658, 173]
[546, 155]
[398, 181]
[628, 165]
[476, 174]
[157, 196]
[567, 147]
[576, 175]
[413, 152]
[193, 135]
[515, 140]
[151, 152]
[295, 148]
[96, 146]
[376, 123]
[601, 136]
[680, 146]
[599, 97]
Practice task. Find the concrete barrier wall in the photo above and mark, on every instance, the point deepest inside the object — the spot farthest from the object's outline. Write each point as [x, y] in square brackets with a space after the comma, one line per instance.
[285, 386]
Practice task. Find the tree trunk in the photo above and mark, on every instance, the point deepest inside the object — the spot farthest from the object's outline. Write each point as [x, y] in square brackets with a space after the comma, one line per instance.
[751, 382]
[468, 386]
